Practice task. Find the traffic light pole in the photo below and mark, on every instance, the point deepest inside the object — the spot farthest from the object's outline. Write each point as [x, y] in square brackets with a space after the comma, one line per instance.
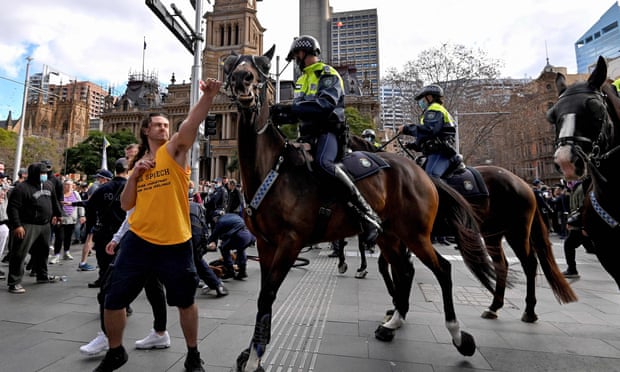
[192, 41]
[195, 94]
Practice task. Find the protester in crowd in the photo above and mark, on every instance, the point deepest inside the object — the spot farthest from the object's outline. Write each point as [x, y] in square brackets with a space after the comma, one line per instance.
[63, 233]
[32, 206]
[159, 238]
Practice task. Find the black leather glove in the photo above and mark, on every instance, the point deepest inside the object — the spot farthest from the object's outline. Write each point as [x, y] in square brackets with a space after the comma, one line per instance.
[281, 114]
[413, 146]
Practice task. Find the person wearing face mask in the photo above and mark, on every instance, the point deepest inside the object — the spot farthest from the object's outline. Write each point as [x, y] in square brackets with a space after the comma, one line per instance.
[436, 133]
[32, 209]
[318, 105]
[370, 136]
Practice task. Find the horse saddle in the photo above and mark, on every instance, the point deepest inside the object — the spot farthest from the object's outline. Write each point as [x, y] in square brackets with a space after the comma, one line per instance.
[362, 164]
[468, 182]
[358, 164]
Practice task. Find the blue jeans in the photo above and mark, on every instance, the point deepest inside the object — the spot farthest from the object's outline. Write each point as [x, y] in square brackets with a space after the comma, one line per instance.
[436, 165]
[238, 242]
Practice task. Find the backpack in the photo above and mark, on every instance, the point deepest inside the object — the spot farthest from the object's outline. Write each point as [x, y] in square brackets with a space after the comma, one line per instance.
[200, 228]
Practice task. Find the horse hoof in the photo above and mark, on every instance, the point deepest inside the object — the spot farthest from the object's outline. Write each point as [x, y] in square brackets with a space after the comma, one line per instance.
[384, 334]
[489, 314]
[529, 317]
[343, 268]
[468, 345]
[361, 274]
[242, 360]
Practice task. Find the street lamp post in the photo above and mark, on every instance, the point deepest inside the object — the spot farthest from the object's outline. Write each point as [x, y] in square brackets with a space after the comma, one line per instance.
[20, 138]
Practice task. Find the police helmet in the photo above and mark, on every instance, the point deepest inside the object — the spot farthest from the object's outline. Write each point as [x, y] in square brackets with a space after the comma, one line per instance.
[306, 43]
[433, 90]
[369, 133]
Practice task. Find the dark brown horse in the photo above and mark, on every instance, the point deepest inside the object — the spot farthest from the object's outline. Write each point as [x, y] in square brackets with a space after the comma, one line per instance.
[510, 212]
[288, 210]
[586, 118]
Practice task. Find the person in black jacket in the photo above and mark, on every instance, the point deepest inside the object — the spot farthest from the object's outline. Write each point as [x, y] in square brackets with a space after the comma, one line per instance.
[216, 203]
[33, 205]
[236, 202]
[104, 216]
[235, 236]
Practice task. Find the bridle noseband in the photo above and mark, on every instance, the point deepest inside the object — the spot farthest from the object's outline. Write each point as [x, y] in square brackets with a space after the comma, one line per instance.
[260, 90]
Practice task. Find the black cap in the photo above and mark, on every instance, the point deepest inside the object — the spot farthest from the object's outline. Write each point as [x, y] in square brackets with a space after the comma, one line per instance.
[121, 165]
[104, 173]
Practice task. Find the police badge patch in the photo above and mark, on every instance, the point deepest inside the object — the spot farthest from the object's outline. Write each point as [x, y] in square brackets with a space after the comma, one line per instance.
[468, 185]
[365, 163]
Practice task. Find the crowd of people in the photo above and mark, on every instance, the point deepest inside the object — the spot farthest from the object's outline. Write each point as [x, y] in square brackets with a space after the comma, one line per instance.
[150, 226]
[124, 218]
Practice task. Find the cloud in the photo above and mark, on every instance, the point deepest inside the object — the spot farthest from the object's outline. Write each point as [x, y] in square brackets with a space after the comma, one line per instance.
[102, 41]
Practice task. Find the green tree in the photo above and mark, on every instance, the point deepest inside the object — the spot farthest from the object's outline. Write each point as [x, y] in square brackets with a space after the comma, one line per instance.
[34, 149]
[357, 122]
[85, 157]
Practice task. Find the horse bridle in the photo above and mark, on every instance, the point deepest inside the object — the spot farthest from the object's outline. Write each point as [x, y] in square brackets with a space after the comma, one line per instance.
[567, 136]
[260, 88]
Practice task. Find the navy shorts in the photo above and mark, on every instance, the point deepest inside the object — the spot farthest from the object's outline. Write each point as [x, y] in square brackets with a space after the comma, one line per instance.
[137, 260]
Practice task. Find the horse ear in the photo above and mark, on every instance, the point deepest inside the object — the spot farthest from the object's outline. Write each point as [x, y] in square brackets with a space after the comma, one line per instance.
[599, 74]
[270, 52]
[229, 63]
[560, 83]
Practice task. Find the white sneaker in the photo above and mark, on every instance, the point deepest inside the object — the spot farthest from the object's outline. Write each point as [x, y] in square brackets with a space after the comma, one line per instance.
[96, 346]
[154, 341]
[54, 260]
[67, 256]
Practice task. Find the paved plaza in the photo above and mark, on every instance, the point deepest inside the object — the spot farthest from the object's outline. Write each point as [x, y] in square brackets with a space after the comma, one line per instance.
[325, 322]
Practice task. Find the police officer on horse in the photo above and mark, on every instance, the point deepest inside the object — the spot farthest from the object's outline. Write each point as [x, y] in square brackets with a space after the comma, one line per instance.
[319, 106]
[436, 133]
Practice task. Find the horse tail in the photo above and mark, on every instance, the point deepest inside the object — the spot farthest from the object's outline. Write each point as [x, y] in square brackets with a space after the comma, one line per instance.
[456, 216]
[539, 240]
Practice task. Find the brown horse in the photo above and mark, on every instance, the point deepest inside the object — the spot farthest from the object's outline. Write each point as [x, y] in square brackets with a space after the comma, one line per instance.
[586, 118]
[289, 209]
[509, 212]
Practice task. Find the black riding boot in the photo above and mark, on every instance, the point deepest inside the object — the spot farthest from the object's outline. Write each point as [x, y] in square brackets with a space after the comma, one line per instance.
[371, 223]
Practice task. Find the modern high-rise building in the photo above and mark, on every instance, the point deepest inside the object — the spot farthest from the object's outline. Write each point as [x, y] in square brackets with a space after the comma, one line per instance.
[51, 86]
[349, 40]
[355, 42]
[602, 39]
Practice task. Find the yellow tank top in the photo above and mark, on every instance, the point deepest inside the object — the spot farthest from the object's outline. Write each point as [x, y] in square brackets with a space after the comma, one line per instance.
[161, 214]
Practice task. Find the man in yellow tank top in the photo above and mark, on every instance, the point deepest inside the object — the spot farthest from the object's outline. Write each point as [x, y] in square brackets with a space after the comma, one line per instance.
[159, 240]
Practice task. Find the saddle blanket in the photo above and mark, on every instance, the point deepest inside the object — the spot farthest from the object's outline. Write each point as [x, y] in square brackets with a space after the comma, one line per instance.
[362, 164]
[468, 182]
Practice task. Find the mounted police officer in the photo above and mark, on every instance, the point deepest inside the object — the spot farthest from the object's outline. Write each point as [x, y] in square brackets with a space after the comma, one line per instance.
[319, 106]
[370, 136]
[436, 133]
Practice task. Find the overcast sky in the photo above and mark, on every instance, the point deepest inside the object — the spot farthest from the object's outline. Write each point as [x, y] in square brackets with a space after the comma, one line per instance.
[102, 41]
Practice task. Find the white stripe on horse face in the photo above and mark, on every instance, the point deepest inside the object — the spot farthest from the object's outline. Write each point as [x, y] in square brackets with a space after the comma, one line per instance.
[568, 126]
